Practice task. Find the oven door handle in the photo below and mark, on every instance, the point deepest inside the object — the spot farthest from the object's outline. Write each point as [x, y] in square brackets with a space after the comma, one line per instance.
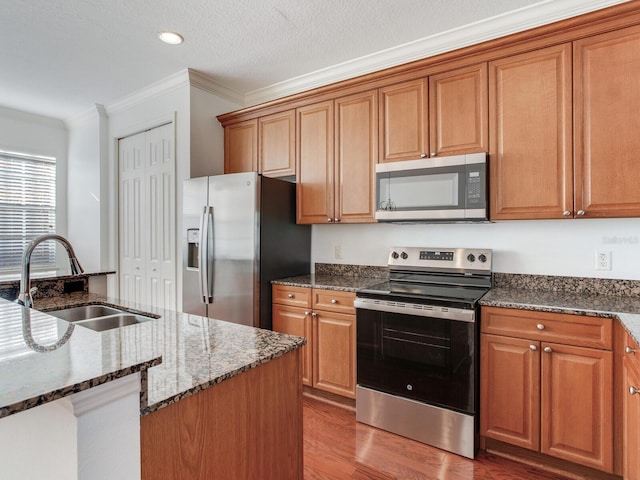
[417, 309]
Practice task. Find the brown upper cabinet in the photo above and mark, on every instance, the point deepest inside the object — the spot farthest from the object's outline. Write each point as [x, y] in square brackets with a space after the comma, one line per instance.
[337, 152]
[530, 135]
[277, 140]
[240, 147]
[607, 131]
[458, 118]
[404, 133]
[445, 114]
[543, 106]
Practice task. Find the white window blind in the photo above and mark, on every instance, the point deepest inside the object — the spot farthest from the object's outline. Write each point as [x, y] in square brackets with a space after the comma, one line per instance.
[27, 208]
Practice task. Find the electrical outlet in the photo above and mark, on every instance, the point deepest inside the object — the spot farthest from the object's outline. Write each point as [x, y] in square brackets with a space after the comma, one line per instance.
[337, 251]
[603, 260]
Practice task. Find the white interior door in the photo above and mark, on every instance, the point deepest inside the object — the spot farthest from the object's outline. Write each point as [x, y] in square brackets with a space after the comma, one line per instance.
[147, 218]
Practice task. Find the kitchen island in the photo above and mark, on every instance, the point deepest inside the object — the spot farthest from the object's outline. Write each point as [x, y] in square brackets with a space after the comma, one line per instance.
[248, 424]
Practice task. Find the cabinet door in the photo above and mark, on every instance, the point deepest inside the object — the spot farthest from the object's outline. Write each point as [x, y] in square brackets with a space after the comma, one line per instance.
[356, 155]
[277, 140]
[315, 192]
[510, 390]
[577, 405]
[334, 345]
[458, 118]
[241, 147]
[530, 135]
[631, 416]
[607, 101]
[404, 121]
[296, 321]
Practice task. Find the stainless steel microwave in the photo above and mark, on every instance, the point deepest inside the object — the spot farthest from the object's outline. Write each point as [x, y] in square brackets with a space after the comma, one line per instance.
[437, 189]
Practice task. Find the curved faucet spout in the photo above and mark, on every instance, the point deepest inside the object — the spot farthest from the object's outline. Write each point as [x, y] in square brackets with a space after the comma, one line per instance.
[26, 293]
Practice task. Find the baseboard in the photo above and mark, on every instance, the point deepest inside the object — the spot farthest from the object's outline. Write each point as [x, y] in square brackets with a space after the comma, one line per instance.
[330, 398]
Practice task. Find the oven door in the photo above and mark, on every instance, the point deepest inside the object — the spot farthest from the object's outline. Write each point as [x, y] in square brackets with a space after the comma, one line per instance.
[428, 359]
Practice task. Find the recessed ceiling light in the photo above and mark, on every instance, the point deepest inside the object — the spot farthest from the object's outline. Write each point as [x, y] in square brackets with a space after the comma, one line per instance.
[171, 37]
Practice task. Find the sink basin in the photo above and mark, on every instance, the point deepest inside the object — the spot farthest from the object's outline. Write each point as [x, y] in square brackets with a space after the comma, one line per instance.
[75, 314]
[101, 324]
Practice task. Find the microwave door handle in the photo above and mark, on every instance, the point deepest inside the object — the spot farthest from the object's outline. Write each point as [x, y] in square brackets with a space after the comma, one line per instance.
[206, 227]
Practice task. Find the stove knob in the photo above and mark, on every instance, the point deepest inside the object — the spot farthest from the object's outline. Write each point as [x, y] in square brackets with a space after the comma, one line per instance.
[395, 255]
[404, 255]
[471, 257]
[482, 257]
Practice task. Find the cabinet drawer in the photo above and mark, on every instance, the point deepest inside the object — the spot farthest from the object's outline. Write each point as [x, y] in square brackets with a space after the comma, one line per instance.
[560, 328]
[334, 301]
[293, 296]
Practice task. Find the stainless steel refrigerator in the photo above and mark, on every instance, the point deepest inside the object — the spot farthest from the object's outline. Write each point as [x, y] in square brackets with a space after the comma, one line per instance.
[240, 233]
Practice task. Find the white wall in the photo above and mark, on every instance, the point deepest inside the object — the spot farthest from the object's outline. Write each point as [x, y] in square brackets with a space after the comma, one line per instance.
[35, 134]
[87, 194]
[542, 247]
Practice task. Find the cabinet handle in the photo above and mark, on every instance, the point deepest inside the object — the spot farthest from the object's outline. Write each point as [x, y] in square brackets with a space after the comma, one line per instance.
[533, 347]
[628, 349]
[423, 155]
[548, 350]
[306, 313]
[334, 301]
[433, 154]
[581, 213]
[336, 220]
[314, 314]
[540, 326]
[634, 391]
[329, 220]
[566, 213]
[290, 295]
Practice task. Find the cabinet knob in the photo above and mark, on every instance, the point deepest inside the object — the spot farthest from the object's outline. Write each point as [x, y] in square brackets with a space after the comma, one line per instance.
[314, 314]
[290, 295]
[628, 349]
[433, 154]
[533, 347]
[336, 220]
[540, 326]
[548, 350]
[306, 313]
[423, 155]
[566, 213]
[334, 301]
[329, 220]
[581, 213]
[634, 391]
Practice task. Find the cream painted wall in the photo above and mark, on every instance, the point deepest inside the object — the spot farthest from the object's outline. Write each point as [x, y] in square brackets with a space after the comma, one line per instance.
[543, 247]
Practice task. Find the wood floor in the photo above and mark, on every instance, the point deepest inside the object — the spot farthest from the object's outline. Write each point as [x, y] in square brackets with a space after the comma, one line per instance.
[336, 447]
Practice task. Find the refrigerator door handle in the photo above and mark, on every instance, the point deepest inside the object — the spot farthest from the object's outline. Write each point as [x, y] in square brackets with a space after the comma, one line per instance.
[206, 276]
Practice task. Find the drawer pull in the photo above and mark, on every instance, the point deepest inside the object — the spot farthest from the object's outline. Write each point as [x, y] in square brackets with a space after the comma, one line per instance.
[548, 349]
[634, 391]
[628, 349]
[533, 347]
[540, 326]
[334, 301]
[290, 295]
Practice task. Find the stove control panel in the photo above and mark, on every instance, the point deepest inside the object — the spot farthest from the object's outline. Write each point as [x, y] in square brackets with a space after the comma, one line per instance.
[441, 259]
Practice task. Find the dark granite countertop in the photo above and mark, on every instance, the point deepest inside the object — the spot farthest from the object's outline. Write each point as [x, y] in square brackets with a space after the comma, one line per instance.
[196, 353]
[329, 282]
[624, 308]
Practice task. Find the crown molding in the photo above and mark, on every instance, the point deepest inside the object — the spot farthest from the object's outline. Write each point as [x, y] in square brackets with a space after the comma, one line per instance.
[97, 111]
[203, 82]
[542, 13]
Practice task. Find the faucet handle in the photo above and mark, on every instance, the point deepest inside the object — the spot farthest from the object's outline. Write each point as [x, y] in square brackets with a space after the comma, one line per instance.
[32, 291]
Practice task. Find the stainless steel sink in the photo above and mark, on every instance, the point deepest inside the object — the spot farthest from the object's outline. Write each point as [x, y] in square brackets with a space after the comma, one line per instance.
[112, 321]
[75, 314]
[98, 317]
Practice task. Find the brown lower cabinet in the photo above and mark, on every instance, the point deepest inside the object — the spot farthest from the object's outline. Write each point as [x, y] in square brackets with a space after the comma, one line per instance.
[327, 319]
[631, 411]
[546, 384]
[247, 427]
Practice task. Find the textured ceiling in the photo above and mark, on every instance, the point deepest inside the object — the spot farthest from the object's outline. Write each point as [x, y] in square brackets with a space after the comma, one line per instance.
[60, 57]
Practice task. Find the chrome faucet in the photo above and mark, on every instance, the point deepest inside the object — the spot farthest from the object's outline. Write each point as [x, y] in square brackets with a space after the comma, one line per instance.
[26, 292]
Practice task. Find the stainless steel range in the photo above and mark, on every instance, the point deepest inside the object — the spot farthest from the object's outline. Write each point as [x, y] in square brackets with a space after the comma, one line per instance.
[417, 346]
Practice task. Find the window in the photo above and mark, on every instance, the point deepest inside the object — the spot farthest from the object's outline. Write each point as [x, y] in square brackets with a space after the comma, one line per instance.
[27, 208]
